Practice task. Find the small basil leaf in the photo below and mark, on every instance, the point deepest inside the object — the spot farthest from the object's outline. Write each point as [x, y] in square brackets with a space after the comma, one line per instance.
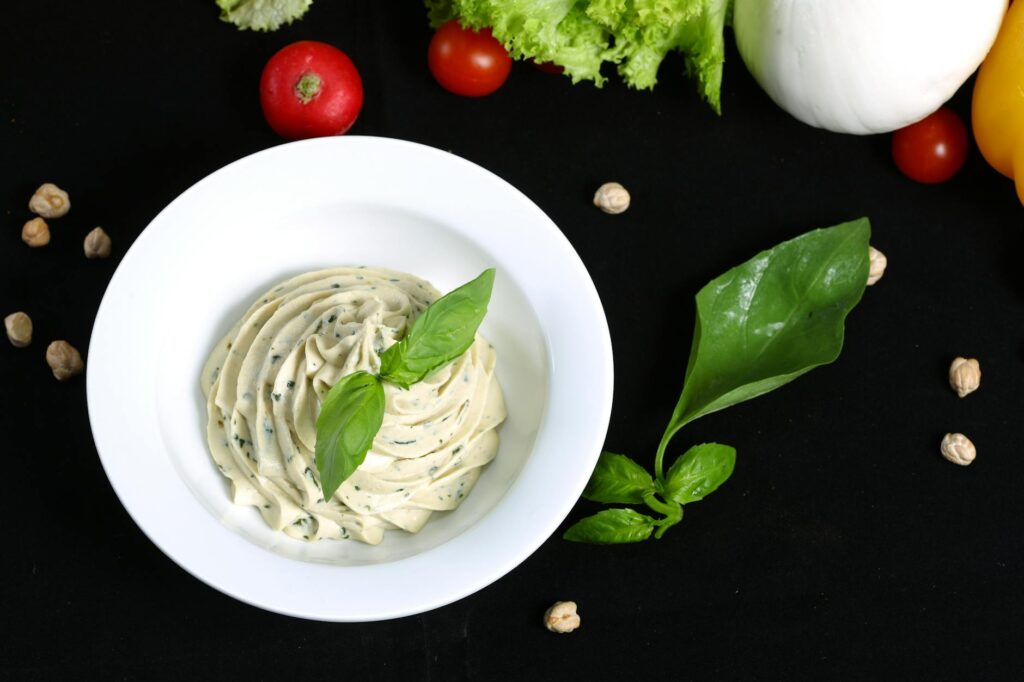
[771, 319]
[443, 332]
[611, 527]
[350, 418]
[618, 479]
[699, 472]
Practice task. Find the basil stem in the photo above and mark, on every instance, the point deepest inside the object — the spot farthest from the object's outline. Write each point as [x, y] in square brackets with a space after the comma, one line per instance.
[759, 326]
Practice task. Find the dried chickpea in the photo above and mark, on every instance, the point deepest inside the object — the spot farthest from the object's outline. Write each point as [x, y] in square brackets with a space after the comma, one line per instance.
[562, 617]
[36, 233]
[611, 197]
[49, 201]
[876, 265]
[964, 376]
[958, 449]
[64, 359]
[97, 244]
[19, 329]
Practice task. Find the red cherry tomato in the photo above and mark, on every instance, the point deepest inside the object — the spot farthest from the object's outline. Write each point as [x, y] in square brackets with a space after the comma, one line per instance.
[933, 149]
[467, 62]
[310, 89]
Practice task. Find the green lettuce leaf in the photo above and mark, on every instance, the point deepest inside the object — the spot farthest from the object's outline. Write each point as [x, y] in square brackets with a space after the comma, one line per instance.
[704, 44]
[262, 15]
[645, 31]
[583, 35]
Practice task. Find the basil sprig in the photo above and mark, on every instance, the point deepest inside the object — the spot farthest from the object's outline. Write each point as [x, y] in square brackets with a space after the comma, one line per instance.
[442, 333]
[349, 419]
[353, 410]
[759, 326]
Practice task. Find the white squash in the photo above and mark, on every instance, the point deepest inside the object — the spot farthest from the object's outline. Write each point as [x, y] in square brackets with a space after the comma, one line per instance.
[864, 66]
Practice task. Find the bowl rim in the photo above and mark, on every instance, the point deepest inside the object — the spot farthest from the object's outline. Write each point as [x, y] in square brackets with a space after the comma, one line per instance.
[521, 545]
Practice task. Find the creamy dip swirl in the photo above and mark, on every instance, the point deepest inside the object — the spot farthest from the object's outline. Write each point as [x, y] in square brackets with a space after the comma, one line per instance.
[266, 379]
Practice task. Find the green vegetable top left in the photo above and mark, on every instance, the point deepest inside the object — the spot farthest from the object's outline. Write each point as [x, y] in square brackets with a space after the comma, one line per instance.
[262, 15]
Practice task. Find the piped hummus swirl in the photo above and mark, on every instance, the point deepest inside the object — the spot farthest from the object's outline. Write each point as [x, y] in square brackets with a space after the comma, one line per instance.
[265, 380]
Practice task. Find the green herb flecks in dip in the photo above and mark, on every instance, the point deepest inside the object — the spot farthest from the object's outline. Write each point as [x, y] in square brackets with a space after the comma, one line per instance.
[322, 327]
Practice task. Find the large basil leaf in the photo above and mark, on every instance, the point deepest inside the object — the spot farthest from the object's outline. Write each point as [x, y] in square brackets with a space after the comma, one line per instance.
[618, 479]
[350, 418]
[611, 527]
[699, 472]
[771, 319]
[444, 331]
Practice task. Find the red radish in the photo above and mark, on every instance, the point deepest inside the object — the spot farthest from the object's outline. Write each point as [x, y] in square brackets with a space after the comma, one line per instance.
[310, 89]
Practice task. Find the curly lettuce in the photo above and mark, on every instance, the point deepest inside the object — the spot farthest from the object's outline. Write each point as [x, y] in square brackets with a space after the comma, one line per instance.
[582, 35]
[262, 15]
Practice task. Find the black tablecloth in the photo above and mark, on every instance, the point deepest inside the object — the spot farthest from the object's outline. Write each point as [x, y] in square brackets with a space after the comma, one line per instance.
[844, 546]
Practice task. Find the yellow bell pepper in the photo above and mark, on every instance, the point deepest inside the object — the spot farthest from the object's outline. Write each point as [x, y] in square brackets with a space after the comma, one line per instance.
[997, 109]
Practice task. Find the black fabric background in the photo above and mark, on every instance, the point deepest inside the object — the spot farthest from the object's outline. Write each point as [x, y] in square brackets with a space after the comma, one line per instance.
[843, 547]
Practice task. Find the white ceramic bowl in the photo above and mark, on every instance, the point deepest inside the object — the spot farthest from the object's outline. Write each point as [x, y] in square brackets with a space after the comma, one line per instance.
[347, 201]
